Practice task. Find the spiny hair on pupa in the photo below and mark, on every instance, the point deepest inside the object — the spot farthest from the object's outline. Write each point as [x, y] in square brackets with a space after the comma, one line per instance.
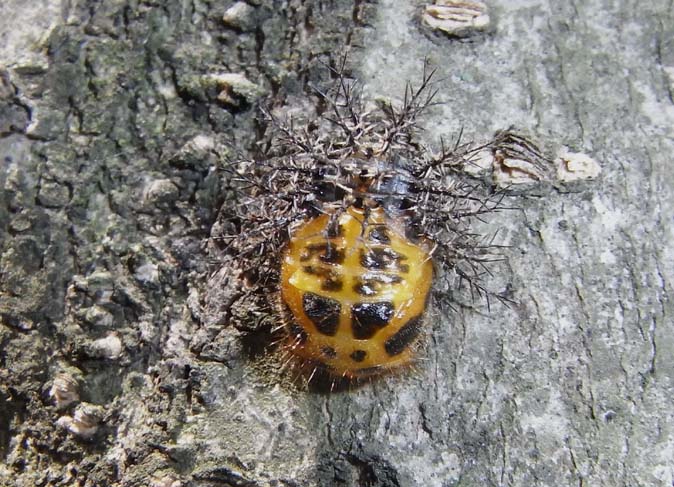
[352, 156]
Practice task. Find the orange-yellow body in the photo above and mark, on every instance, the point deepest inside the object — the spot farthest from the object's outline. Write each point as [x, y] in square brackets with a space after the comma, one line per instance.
[356, 289]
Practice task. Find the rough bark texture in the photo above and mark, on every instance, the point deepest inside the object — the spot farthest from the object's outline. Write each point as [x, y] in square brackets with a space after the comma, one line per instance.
[112, 130]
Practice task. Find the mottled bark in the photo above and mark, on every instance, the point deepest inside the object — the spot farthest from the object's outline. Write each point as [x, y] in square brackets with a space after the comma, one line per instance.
[116, 118]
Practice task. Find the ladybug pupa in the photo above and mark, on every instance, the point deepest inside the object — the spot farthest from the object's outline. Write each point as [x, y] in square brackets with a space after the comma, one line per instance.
[344, 231]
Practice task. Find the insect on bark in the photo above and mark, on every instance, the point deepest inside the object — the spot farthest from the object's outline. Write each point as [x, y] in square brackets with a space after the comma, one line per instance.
[347, 228]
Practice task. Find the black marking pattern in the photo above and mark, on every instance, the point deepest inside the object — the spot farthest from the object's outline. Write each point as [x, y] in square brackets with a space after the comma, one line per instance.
[365, 288]
[323, 312]
[326, 252]
[368, 318]
[404, 337]
[370, 284]
[328, 352]
[383, 258]
[379, 234]
[358, 355]
[330, 279]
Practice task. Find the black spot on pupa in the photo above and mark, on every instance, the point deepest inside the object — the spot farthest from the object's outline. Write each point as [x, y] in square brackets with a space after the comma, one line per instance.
[358, 355]
[323, 312]
[379, 234]
[404, 337]
[328, 352]
[333, 285]
[383, 278]
[371, 284]
[364, 288]
[332, 255]
[326, 252]
[377, 258]
[368, 318]
[330, 280]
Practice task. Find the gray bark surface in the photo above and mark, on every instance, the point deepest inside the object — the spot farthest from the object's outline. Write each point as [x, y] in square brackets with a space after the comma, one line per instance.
[113, 132]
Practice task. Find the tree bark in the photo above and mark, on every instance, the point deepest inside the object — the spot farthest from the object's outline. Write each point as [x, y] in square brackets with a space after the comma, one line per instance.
[116, 120]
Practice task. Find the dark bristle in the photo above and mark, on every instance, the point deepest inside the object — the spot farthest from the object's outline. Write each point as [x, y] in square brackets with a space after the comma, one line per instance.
[371, 160]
